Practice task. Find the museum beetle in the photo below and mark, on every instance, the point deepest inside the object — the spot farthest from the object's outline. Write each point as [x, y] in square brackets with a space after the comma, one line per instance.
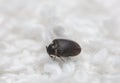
[63, 48]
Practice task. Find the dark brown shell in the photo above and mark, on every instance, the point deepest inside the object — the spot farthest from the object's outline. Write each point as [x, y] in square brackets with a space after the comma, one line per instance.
[64, 48]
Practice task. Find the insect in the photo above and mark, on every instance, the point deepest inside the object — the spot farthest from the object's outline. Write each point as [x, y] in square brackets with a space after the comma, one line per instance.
[63, 48]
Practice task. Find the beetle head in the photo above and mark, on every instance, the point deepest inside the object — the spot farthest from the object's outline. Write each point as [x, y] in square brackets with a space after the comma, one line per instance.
[50, 49]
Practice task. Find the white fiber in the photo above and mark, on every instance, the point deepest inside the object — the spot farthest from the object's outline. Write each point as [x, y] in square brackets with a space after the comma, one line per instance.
[28, 26]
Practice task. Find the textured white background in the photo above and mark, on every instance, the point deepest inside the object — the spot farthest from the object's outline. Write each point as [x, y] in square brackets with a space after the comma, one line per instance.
[27, 26]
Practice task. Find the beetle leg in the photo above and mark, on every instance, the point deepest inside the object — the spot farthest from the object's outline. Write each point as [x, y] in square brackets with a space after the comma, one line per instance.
[53, 57]
[55, 54]
[60, 56]
[55, 51]
[62, 59]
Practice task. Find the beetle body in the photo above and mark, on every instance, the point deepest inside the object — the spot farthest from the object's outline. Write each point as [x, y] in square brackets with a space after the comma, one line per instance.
[63, 48]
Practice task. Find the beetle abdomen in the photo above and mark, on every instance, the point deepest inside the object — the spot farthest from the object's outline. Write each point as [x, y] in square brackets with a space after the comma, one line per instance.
[67, 47]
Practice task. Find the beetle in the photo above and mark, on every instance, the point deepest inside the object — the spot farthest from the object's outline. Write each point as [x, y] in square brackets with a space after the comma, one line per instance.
[63, 48]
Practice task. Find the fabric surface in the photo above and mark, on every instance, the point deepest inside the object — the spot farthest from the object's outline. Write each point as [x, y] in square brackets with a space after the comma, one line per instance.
[28, 26]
